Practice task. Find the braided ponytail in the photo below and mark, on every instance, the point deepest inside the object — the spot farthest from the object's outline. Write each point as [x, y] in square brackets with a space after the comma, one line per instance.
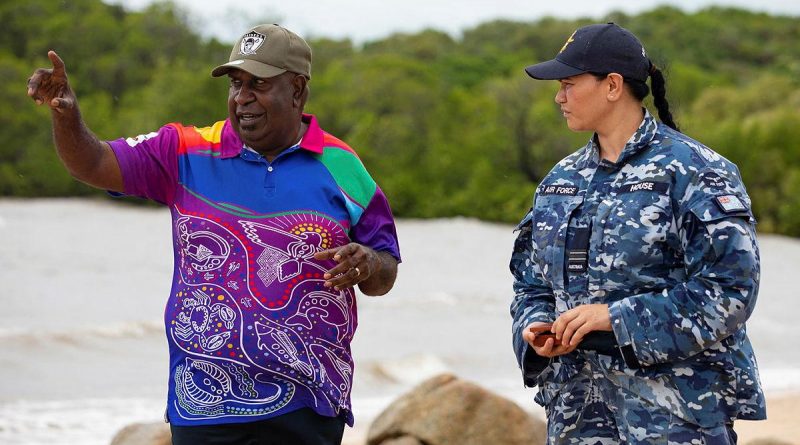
[658, 85]
[640, 90]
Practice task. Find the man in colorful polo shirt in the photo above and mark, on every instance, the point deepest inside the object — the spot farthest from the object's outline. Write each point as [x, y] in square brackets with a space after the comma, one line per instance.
[274, 221]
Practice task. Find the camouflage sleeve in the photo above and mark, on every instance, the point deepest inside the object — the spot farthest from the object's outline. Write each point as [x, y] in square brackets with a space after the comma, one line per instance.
[721, 263]
[533, 301]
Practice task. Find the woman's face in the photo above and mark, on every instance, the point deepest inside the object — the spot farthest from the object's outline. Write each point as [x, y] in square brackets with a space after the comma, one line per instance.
[583, 101]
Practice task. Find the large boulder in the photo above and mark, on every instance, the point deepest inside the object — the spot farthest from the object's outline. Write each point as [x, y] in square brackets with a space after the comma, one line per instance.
[156, 433]
[445, 410]
[404, 440]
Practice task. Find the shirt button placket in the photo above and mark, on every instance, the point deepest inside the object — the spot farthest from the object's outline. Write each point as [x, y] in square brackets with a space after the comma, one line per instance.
[269, 181]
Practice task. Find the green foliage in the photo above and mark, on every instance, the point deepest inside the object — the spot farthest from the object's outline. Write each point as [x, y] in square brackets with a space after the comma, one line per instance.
[447, 125]
[758, 127]
[132, 73]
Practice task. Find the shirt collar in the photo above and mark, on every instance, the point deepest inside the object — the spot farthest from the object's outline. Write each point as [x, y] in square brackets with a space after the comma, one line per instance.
[639, 141]
[312, 140]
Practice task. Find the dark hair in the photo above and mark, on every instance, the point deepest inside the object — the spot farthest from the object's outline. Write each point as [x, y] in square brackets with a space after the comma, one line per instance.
[640, 90]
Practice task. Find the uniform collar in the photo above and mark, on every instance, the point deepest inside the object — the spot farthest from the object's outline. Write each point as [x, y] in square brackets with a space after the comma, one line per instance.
[638, 142]
[312, 140]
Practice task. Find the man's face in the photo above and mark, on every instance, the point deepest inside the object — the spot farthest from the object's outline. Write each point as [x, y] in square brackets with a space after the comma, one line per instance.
[265, 113]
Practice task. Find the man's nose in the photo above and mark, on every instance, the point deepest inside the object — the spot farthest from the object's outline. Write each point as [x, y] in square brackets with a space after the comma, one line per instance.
[244, 95]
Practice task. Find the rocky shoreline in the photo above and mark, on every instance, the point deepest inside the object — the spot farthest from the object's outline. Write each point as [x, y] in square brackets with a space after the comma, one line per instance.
[446, 410]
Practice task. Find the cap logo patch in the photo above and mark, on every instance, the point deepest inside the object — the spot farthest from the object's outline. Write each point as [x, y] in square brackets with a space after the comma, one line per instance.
[251, 42]
[569, 40]
[644, 54]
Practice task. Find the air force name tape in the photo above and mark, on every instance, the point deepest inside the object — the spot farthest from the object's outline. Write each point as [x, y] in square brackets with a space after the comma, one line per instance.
[563, 190]
[645, 186]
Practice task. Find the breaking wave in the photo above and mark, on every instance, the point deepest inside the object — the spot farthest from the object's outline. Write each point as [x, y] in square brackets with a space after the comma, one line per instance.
[132, 329]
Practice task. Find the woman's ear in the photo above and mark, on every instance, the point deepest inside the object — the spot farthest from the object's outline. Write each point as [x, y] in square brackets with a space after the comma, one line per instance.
[615, 87]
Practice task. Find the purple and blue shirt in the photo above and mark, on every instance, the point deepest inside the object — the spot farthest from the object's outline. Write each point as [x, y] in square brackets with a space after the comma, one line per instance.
[252, 331]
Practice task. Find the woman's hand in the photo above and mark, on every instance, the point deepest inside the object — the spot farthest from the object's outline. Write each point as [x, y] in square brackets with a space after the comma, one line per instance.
[571, 326]
[551, 347]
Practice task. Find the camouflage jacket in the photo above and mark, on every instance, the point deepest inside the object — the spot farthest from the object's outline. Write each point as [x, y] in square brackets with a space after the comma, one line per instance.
[672, 251]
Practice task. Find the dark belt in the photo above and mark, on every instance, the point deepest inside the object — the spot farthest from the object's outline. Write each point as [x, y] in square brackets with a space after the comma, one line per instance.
[604, 342]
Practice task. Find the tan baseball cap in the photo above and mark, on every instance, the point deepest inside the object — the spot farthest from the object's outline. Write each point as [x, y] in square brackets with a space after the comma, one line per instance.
[267, 51]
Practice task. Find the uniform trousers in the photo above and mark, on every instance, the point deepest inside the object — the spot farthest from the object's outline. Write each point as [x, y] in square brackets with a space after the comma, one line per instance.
[588, 410]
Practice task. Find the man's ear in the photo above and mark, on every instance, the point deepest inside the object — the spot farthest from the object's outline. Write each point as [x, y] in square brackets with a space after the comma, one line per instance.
[300, 85]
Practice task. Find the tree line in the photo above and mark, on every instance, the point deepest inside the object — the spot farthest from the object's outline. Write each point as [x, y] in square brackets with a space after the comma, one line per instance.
[448, 125]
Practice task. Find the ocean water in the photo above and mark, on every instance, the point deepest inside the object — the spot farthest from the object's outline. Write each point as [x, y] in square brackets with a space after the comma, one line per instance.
[84, 282]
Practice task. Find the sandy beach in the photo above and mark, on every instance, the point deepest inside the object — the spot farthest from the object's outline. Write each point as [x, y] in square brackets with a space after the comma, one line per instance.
[783, 412]
[782, 424]
[84, 351]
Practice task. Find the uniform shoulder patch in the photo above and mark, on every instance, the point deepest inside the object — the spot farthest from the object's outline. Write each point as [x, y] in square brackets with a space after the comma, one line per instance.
[713, 180]
[730, 203]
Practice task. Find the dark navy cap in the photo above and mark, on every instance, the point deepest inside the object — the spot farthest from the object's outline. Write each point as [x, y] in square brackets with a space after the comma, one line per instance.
[603, 49]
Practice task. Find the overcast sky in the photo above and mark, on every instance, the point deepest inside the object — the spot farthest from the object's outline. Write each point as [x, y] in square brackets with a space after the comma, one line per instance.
[364, 20]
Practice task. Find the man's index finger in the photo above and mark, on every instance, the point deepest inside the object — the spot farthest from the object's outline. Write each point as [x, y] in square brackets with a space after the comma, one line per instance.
[58, 64]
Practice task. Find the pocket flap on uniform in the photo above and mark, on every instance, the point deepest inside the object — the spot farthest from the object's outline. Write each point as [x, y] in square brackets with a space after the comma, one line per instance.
[525, 221]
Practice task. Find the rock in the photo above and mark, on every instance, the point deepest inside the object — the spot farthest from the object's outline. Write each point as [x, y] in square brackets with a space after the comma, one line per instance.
[156, 433]
[445, 410]
[404, 440]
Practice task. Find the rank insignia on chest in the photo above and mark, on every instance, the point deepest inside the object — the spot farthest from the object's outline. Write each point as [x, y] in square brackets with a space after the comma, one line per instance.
[730, 203]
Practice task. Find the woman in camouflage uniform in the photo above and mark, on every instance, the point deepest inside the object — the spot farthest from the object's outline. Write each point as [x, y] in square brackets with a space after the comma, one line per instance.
[640, 249]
